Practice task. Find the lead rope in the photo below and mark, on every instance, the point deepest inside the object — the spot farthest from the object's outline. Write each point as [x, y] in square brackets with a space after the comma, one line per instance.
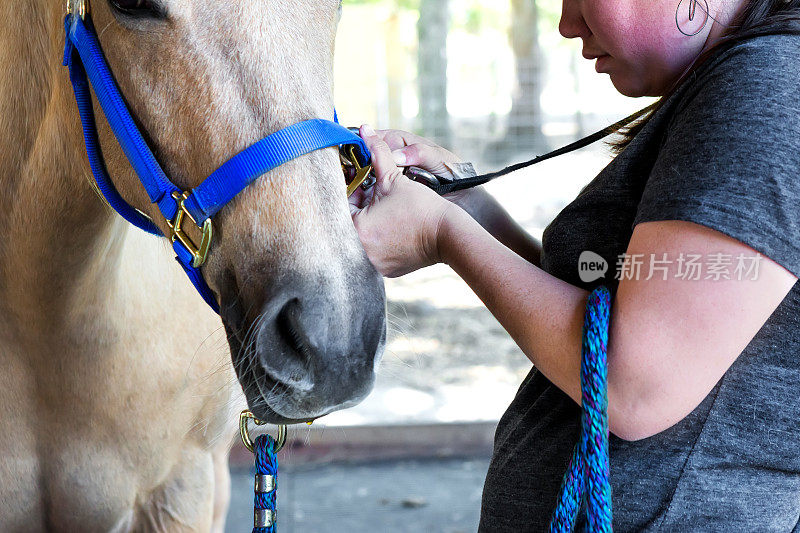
[265, 450]
[587, 475]
[266, 485]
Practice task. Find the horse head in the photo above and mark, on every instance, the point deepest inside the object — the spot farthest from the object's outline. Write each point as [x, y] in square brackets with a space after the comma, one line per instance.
[303, 307]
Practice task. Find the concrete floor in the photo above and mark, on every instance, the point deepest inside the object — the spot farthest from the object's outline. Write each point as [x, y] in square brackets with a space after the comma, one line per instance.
[434, 496]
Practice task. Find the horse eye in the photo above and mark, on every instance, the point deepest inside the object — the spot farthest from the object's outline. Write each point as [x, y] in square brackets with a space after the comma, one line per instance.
[142, 8]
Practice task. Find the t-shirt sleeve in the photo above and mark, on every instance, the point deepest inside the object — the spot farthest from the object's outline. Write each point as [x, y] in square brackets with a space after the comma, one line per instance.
[730, 157]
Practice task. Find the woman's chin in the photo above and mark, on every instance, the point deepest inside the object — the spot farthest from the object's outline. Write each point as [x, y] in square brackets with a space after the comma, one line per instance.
[627, 87]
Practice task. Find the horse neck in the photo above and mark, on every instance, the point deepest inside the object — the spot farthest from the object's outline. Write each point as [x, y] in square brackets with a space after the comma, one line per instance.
[54, 231]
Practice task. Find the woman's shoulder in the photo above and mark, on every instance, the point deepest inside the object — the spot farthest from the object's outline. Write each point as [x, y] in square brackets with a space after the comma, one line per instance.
[730, 154]
[747, 72]
[761, 53]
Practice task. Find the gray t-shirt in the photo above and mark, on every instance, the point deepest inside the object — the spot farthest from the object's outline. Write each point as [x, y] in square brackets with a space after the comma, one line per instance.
[724, 152]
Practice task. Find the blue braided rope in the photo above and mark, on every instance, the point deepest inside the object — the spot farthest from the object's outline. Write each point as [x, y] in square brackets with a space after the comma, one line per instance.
[266, 463]
[588, 471]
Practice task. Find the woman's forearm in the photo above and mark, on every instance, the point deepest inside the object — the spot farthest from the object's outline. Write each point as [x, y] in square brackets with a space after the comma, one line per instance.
[543, 314]
[488, 212]
[671, 340]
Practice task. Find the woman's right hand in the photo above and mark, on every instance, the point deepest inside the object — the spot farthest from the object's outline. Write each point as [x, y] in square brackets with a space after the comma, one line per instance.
[412, 150]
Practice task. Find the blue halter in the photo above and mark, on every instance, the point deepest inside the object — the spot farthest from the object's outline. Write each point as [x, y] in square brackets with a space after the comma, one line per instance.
[84, 57]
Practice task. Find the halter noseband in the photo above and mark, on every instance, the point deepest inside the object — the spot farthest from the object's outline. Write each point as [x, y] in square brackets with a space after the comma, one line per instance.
[84, 57]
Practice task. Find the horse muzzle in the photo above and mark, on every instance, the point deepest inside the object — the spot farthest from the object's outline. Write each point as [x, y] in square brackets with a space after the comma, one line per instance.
[307, 352]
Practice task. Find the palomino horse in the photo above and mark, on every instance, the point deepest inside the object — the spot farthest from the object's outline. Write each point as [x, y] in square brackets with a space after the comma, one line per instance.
[117, 392]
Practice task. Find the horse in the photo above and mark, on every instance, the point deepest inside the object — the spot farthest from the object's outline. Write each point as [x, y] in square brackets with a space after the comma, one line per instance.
[119, 386]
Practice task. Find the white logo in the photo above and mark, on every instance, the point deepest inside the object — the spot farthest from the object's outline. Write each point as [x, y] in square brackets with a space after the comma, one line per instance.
[591, 267]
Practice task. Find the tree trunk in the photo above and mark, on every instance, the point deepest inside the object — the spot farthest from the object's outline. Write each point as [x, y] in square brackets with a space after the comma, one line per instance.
[525, 120]
[432, 30]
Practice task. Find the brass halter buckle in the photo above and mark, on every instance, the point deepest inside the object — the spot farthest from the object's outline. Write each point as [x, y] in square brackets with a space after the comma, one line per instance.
[82, 7]
[199, 252]
[245, 432]
[350, 165]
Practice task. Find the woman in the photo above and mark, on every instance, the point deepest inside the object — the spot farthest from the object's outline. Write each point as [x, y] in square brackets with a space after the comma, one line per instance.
[703, 387]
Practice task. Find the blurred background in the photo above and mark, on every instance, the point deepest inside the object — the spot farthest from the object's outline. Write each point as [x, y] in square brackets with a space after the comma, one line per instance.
[494, 82]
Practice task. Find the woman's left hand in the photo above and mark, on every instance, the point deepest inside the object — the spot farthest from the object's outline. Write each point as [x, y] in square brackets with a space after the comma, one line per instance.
[398, 219]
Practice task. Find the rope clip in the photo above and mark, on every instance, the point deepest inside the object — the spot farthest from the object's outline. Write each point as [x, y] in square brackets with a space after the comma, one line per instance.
[245, 432]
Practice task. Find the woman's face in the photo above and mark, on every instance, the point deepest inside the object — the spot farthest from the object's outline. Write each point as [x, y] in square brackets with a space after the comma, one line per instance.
[641, 47]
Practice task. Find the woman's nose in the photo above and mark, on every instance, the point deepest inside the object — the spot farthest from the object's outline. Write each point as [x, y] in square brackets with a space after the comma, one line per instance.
[572, 24]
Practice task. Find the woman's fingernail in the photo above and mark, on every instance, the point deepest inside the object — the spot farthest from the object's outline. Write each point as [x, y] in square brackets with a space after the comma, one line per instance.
[368, 130]
[399, 157]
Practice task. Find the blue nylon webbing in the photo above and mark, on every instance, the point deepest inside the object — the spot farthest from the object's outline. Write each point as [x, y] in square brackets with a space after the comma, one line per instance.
[268, 153]
[83, 41]
[83, 98]
[184, 258]
[84, 57]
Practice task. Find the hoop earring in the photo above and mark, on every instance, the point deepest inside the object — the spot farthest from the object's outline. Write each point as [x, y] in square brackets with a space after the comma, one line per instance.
[692, 12]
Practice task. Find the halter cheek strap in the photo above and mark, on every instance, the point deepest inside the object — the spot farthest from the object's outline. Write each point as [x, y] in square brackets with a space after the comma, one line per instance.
[84, 57]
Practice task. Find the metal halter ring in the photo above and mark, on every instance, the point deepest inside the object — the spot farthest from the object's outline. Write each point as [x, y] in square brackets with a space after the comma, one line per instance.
[83, 7]
[363, 175]
[245, 433]
[178, 233]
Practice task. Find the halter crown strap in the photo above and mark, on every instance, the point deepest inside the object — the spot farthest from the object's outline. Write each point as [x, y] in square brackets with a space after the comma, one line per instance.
[84, 57]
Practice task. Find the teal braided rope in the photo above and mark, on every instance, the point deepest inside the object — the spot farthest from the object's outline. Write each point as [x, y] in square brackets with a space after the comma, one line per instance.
[588, 471]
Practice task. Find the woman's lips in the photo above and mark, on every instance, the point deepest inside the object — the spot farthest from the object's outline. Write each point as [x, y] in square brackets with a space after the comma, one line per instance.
[599, 56]
[592, 55]
[601, 61]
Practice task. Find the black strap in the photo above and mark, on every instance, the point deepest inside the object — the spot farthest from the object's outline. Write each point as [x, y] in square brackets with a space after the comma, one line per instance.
[468, 183]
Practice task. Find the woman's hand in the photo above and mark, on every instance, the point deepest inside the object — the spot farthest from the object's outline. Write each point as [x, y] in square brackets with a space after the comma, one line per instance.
[397, 220]
[412, 150]
[409, 149]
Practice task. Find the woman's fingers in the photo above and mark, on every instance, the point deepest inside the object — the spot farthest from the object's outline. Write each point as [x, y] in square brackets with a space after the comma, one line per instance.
[386, 171]
[409, 149]
[399, 138]
[432, 158]
[414, 151]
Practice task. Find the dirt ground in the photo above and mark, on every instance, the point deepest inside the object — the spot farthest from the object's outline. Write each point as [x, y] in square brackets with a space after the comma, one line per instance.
[441, 496]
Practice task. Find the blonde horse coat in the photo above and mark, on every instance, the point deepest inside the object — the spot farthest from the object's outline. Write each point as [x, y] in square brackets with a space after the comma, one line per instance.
[117, 394]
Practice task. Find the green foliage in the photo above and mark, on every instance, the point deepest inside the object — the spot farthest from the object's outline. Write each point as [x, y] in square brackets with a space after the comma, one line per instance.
[412, 5]
[471, 15]
[549, 12]
[475, 15]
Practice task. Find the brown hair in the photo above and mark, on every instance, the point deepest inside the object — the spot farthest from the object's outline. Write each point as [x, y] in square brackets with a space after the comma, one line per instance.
[757, 17]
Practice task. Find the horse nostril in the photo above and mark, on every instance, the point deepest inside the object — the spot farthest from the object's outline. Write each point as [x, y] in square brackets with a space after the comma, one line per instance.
[291, 329]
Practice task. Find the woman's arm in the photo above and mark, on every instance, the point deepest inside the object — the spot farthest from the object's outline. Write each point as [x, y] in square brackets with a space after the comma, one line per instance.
[488, 212]
[670, 341]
